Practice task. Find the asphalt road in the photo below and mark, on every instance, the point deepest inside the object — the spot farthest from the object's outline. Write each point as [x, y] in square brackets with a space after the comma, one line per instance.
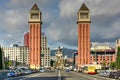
[59, 75]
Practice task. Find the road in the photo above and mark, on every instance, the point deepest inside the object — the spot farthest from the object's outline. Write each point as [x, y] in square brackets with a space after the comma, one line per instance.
[58, 75]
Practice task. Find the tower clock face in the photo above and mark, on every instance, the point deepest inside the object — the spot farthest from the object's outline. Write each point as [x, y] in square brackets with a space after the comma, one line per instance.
[83, 15]
[34, 16]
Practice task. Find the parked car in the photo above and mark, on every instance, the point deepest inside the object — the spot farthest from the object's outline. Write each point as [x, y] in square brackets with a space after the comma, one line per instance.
[111, 74]
[47, 70]
[42, 69]
[67, 69]
[102, 73]
[19, 72]
[12, 73]
[116, 74]
[27, 71]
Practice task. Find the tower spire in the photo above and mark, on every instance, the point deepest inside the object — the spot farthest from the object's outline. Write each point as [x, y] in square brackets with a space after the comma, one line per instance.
[83, 7]
[35, 7]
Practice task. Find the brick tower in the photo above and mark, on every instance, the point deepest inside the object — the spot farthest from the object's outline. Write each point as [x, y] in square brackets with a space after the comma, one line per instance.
[35, 37]
[26, 39]
[83, 35]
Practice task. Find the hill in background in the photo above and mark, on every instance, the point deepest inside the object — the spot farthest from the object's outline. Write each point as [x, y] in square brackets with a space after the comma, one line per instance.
[66, 51]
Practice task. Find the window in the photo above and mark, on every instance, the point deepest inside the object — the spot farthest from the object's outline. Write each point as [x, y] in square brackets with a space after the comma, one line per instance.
[35, 16]
[83, 15]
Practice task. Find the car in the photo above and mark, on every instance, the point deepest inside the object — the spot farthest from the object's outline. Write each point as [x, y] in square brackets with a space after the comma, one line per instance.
[67, 69]
[27, 71]
[116, 74]
[12, 74]
[103, 73]
[42, 69]
[47, 70]
[111, 75]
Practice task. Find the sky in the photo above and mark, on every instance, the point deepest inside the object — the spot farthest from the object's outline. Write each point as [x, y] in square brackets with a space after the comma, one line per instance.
[59, 19]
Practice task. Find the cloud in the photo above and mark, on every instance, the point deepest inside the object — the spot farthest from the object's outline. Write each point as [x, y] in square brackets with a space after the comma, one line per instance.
[105, 17]
[59, 20]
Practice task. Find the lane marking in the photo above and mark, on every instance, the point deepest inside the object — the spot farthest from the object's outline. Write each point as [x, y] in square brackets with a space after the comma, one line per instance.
[59, 75]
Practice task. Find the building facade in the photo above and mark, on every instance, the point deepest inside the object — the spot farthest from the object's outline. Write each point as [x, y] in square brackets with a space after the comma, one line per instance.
[103, 55]
[26, 39]
[45, 51]
[117, 44]
[83, 36]
[16, 54]
[35, 23]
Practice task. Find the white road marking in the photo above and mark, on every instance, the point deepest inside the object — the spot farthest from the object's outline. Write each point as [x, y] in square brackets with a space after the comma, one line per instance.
[59, 75]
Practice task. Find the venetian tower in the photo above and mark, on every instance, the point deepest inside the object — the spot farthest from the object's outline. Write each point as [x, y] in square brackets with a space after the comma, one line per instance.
[35, 23]
[83, 35]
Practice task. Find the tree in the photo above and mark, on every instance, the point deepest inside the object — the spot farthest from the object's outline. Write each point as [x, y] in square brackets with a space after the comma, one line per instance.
[104, 63]
[118, 59]
[112, 65]
[7, 64]
[1, 66]
[52, 63]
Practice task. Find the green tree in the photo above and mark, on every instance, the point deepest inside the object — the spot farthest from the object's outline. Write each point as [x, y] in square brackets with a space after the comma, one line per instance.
[52, 63]
[118, 59]
[112, 65]
[7, 64]
[104, 63]
[1, 66]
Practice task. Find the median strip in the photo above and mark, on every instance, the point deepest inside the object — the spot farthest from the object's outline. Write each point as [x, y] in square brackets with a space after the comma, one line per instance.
[59, 75]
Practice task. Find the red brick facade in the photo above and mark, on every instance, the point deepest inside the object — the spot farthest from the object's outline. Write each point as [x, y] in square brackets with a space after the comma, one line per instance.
[26, 39]
[35, 37]
[35, 41]
[83, 43]
[83, 36]
[101, 58]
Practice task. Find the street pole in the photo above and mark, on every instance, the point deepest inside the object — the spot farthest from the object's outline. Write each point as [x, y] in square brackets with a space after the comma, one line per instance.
[16, 62]
[105, 54]
[95, 53]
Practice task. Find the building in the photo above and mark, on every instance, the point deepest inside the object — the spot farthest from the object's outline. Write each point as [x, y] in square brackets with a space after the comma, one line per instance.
[117, 44]
[17, 54]
[103, 55]
[35, 23]
[26, 39]
[45, 51]
[83, 36]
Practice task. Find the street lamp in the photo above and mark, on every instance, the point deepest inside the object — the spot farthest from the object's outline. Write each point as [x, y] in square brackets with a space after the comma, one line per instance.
[8, 57]
[105, 54]
[16, 61]
[95, 52]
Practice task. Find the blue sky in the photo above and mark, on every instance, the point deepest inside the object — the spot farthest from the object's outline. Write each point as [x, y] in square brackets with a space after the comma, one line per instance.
[59, 21]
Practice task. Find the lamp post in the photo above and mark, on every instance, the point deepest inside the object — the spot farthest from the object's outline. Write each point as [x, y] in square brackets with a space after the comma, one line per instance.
[8, 57]
[95, 53]
[105, 54]
[16, 62]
